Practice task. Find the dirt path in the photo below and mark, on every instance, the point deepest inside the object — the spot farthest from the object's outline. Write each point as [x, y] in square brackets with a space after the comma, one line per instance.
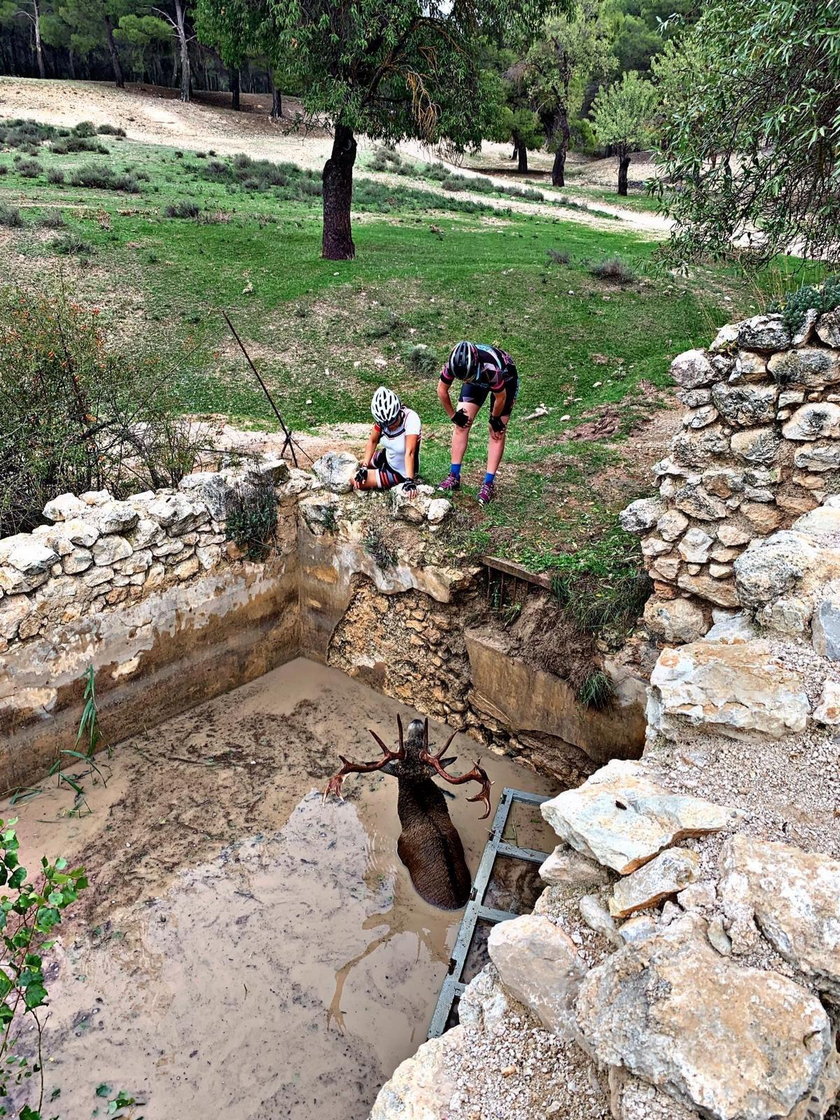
[153, 115]
[244, 950]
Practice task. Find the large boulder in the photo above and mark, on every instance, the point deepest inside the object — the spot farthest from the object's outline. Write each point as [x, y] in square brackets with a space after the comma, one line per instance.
[539, 964]
[735, 690]
[621, 818]
[793, 896]
[735, 1043]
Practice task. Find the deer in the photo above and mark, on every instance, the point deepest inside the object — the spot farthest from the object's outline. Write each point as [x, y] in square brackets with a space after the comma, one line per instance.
[429, 844]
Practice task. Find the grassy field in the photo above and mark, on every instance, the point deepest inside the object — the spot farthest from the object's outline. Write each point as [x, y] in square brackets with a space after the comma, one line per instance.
[431, 268]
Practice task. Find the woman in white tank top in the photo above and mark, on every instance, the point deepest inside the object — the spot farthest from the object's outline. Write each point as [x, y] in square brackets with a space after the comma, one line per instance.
[391, 456]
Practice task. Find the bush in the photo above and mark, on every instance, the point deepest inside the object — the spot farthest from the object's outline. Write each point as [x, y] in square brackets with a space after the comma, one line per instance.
[25, 134]
[186, 208]
[422, 361]
[97, 175]
[84, 128]
[795, 305]
[106, 418]
[252, 518]
[52, 219]
[111, 130]
[78, 144]
[55, 176]
[11, 217]
[71, 245]
[558, 257]
[29, 168]
[613, 270]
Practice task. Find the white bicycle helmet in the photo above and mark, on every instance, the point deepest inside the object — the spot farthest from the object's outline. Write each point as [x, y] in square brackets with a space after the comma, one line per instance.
[385, 406]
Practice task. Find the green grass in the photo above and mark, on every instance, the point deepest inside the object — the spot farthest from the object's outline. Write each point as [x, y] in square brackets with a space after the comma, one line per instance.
[430, 269]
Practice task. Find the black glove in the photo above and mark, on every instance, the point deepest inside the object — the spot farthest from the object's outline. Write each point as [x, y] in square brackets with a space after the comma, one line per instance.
[497, 424]
[460, 418]
[409, 486]
[361, 475]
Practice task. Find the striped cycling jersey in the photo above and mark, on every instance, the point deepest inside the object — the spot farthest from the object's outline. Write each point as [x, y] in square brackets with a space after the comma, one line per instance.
[495, 369]
[392, 440]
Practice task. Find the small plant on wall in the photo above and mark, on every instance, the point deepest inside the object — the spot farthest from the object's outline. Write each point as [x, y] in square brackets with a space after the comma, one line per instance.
[252, 518]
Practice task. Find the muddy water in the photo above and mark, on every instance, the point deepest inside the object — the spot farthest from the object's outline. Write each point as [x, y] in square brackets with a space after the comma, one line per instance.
[245, 951]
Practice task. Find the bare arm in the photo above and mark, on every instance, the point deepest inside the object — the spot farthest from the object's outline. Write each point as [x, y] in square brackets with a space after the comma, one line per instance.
[370, 446]
[411, 443]
[443, 397]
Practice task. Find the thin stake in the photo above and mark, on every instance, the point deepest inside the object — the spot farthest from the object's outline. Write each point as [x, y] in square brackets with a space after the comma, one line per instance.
[289, 441]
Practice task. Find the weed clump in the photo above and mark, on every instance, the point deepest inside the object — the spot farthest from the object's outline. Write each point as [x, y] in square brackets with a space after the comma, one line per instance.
[95, 175]
[604, 588]
[11, 217]
[422, 361]
[29, 168]
[55, 176]
[252, 518]
[185, 208]
[556, 256]
[111, 130]
[613, 270]
[72, 244]
[52, 219]
[597, 691]
[378, 547]
[78, 144]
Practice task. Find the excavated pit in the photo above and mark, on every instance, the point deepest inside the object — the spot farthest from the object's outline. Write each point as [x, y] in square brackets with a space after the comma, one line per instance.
[244, 950]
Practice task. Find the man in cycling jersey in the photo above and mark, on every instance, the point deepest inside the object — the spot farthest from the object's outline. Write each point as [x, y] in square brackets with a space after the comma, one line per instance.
[484, 370]
[391, 456]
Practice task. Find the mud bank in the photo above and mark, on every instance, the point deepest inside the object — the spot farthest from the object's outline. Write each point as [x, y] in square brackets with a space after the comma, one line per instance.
[245, 951]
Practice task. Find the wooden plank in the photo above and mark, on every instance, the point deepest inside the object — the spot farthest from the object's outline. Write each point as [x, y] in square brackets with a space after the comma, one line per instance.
[508, 567]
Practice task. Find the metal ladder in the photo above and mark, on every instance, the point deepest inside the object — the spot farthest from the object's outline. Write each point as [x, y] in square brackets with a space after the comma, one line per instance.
[475, 910]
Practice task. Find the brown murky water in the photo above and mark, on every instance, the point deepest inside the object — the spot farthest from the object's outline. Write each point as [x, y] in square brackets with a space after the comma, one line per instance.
[245, 951]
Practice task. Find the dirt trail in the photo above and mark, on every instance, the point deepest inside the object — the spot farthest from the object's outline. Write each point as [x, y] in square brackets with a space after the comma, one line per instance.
[244, 950]
[154, 115]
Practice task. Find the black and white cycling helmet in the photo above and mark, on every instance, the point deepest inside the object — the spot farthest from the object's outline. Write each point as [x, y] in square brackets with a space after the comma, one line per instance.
[463, 361]
[385, 406]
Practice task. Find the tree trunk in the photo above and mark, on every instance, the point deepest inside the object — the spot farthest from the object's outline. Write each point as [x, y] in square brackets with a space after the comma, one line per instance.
[563, 134]
[235, 89]
[183, 47]
[276, 99]
[39, 49]
[338, 195]
[623, 164]
[71, 64]
[119, 80]
[522, 166]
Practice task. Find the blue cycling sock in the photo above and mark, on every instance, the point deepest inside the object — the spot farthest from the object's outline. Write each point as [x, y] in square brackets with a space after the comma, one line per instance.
[455, 468]
[488, 479]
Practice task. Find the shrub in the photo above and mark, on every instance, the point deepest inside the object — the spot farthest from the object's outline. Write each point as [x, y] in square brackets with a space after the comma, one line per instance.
[55, 176]
[613, 270]
[558, 257]
[71, 245]
[106, 418]
[84, 128]
[110, 130]
[422, 361]
[78, 144]
[97, 175]
[795, 305]
[186, 208]
[3, 169]
[29, 168]
[252, 518]
[25, 134]
[52, 219]
[10, 216]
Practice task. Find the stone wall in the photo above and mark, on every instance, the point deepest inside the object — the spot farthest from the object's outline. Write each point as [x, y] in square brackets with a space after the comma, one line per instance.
[760, 447]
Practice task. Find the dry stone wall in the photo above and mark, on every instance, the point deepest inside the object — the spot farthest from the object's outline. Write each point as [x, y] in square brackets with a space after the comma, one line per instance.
[759, 447]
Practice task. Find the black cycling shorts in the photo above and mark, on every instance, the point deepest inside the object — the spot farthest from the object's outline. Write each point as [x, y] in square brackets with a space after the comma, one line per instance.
[477, 394]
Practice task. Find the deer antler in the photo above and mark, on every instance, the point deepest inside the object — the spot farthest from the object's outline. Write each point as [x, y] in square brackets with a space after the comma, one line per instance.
[352, 767]
[438, 763]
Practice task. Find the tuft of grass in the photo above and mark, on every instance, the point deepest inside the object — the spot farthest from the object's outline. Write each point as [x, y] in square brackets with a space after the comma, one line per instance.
[376, 543]
[52, 219]
[29, 168]
[252, 519]
[422, 361]
[184, 208]
[597, 691]
[71, 244]
[613, 270]
[97, 175]
[556, 256]
[604, 587]
[11, 217]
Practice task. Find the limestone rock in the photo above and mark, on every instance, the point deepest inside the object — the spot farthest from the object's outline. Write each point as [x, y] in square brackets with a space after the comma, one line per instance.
[335, 471]
[115, 517]
[622, 819]
[825, 626]
[694, 398]
[763, 332]
[750, 406]
[567, 868]
[723, 482]
[539, 963]
[731, 689]
[828, 709]
[671, 525]
[763, 519]
[817, 420]
[722, 594]
[692, 370]
[811, 368]
[823, 456]
[828, 328]
[598, 918]
[700, 417]
[695, 545]
[726, 338]
[731, 534]
[694, 448]
[773, 567]
[65, 506]
[697, 502]
[25, 563]
[14, 609]
[794, 898]
[177, 513]
[211, 488]
[408, 507]
[663, 877]
[641, 515]
[320, 512]
[732, 629]
[735, 1043]
[110, 548]
[79, 560]
[756, 445]
[422, 1086]
[653, 546]
[438, 510]
[675, 620]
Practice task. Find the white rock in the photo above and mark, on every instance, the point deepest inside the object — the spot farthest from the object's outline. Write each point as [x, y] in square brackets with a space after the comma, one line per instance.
[622, 819]
[732, 629]
[96, 497]
[814, 421]
[177, 513]
[566, 867]
[539, 963]
[694, 546]
[598, 918]
[812, 367]
[438, 510]
[115, 517]
[726, 338]
[211, 488]
[14, 609]
[733, 690]
[77, 561]
[110, 548]
[675, 620]
[756, 445]
[828, 708]
[671, 525]
[25, 563]
[65, 506]
[692, 370]
[641, 515]
[335, 471]
[662, 877]
[822, 456]
[763, 332]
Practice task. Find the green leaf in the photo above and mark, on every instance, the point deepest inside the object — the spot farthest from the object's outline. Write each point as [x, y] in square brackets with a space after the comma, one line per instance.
[103, 1090]
[17, 879]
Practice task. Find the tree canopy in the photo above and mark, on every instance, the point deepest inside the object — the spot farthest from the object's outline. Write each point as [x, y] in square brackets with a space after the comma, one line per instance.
[624, 119]
[751, 129]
